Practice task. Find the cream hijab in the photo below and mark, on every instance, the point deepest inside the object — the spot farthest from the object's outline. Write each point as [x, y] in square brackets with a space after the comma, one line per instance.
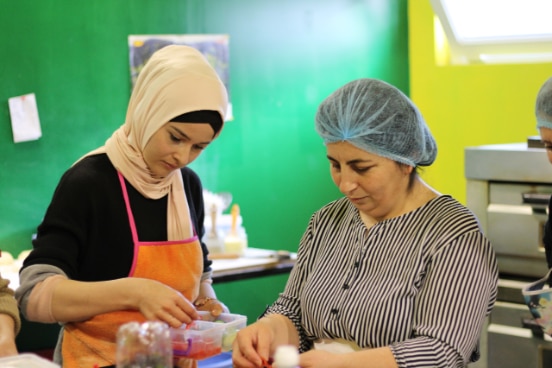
[174, 81]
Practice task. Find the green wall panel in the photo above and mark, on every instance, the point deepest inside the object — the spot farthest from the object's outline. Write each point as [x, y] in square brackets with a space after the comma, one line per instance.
[251, 297]
[285, 57]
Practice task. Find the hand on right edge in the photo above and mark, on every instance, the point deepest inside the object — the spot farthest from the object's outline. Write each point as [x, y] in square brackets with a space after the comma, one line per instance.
[252, 347]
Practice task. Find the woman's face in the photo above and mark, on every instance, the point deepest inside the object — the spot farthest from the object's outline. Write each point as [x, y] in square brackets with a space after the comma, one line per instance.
[375, 185]
[176, 145]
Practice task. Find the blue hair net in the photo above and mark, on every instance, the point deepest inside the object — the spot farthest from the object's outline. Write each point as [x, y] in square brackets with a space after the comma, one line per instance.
[378, 118]
[543, 106]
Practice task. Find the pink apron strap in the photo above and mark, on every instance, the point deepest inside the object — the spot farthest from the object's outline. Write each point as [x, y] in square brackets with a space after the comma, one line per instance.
[129, 211]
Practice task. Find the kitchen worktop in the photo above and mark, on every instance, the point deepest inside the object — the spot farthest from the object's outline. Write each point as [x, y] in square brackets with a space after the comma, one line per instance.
[254, 262]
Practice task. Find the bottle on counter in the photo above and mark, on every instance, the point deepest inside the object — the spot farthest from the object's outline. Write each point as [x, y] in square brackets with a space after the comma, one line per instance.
[286, 356]
[213, 240]
[236, 239]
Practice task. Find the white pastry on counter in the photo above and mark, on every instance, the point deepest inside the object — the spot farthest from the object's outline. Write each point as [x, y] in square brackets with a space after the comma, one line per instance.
[6, 259]
[9, 269]
[24, 254]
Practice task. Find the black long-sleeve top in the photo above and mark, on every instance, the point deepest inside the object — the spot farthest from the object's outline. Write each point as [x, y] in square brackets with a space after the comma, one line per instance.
[86, 231]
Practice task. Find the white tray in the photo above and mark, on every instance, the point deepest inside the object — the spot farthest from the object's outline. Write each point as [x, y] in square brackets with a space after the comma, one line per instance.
[26, 360]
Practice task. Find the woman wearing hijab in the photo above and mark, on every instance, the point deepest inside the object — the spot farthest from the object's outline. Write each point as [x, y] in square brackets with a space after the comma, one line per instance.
[120, 240]
[394, 274]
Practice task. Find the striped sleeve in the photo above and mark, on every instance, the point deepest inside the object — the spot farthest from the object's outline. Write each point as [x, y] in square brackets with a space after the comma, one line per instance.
[459, 291]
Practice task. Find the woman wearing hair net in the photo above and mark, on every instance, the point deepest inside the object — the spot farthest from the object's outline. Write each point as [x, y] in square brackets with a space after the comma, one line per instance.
[120, 240]
[538, 295]
[394, 274]
[543, 113]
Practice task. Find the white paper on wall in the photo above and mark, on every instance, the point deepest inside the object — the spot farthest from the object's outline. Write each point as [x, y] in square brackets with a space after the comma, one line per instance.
[24, 118]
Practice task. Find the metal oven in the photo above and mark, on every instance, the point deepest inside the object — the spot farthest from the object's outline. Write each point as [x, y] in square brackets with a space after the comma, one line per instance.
[508, 189]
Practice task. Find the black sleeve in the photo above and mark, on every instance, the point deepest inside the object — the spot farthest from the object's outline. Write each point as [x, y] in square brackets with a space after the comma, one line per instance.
[81, 228]
[194, 195]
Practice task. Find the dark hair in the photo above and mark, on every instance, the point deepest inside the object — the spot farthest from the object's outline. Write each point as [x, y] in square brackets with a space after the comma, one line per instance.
[210, 117]
[413, 174]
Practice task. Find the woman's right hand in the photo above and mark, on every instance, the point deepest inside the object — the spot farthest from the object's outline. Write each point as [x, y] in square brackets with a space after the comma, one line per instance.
[159, 302]
[252, 346]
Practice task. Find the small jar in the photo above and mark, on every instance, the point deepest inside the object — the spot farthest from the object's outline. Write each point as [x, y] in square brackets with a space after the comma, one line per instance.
[146, 345]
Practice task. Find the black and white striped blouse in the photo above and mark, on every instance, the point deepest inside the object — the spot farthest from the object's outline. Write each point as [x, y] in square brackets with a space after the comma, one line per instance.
[421, 283]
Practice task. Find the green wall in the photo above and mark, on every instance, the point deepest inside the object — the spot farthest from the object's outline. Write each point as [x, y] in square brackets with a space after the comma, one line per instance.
[285, 57]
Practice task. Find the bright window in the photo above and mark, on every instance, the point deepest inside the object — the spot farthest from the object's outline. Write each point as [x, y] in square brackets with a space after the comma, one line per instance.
[493, 31]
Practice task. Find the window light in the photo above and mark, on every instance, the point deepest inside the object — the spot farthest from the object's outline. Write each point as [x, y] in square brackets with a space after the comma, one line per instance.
[495, 31]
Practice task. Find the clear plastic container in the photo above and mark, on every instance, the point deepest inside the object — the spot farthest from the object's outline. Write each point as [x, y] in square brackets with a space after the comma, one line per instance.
[197, 340]
[232, 324]
[144, 345]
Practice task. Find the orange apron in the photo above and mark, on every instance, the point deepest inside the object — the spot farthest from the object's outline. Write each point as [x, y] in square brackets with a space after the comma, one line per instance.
[178, 264]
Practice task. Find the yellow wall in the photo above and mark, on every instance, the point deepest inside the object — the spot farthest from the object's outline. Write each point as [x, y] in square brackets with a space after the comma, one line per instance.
[467, 105]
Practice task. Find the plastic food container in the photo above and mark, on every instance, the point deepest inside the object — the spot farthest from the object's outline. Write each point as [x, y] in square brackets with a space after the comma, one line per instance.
[197, 340]
[26, 360]
[232, 324]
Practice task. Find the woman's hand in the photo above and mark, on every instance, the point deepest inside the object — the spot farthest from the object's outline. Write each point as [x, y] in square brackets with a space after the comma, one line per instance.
[7, 336]
[252, 346]
[159, 302]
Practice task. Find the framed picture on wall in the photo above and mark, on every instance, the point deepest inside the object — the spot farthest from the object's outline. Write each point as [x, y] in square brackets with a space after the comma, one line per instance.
[213, 47]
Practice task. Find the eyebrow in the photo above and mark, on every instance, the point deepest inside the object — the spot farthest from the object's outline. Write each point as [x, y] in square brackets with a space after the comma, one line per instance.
[184, 135]
[351, 162]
